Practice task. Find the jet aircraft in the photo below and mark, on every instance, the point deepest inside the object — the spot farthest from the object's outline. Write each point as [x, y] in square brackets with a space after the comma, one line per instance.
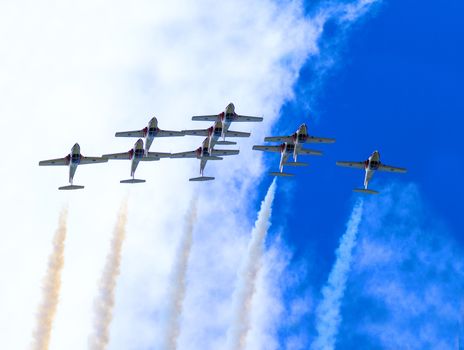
[204, 154]
[226, 118]
[136, 154]
[286, 149]
[215, 132]
[149, 133]
[370, 165]
[299, 136]
[72, 160]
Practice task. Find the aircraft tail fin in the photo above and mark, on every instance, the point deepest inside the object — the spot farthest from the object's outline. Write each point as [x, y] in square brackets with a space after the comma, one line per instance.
[71, 187]
[132, 181]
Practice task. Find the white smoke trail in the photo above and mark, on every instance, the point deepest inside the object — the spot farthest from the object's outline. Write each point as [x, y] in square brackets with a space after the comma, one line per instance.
[245, 288]
[51, 288]
[179, 273]
[328, 316]
[104, 302]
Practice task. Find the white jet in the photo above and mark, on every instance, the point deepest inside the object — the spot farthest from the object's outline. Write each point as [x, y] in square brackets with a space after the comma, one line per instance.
[72, 160]
[286, 149]
[149, 133]
[136, 155]
[226, 118]
[204, 154]
[298, 137]
[370, 165]
[215, 132]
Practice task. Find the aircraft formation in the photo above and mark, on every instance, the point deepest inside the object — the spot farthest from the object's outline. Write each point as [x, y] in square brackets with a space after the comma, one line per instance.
[290, 145]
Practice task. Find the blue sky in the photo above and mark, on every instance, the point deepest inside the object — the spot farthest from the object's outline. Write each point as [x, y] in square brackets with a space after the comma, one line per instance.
[396, 86]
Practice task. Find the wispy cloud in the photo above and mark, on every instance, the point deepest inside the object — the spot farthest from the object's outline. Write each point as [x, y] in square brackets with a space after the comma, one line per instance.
[407, 280]
[328, 313]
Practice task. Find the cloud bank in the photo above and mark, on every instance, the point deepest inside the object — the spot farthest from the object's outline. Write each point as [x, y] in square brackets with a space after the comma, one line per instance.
[81, 71]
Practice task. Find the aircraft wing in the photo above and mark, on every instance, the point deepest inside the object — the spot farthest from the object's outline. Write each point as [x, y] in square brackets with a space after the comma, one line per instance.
[224, 152]
[357, 165]
[237, 134]
[169, 133]
[202, 132]
[268, 148]
[314, 139]
[92, 160]
[392, 169]
[58, 161]
[135, 133]
[278, 139]
[158, 155]
[246, 118]
[209, 118]
[191, 154]
[310, 152]
[124, 155]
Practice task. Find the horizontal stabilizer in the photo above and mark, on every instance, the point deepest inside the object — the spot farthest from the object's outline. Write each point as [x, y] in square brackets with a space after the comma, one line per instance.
[296, 164]
[365, 190]
[276, 173]
[226, 143]
[149, 159]
[132, 181]
[305, 151]
[212, 158]
[71, 187]
[202, 178]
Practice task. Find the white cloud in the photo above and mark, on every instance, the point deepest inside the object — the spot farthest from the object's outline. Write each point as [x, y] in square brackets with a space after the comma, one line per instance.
[79, 71]
[408, 273]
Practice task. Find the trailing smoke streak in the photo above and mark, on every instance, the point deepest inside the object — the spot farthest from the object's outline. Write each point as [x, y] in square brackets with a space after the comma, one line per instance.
[51, 288]
[104, 302]
[328, 311]
[179, 273]
[246, 283]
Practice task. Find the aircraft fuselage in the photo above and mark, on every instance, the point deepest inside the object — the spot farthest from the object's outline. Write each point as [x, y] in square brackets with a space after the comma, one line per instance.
[371, 165]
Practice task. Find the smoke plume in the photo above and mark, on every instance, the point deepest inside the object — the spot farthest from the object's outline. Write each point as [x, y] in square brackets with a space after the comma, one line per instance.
[178, 283]
[328, 316]
[51, 288]
[104, 302]
[245, 288]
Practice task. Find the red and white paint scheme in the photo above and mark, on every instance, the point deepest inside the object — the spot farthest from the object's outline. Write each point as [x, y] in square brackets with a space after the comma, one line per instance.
[371, 165]
[214, 132]
[205, 153]
[72, 160]
[149, 133]
[299, 137]
[226, 118]
[286, 149]
[136, 155]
